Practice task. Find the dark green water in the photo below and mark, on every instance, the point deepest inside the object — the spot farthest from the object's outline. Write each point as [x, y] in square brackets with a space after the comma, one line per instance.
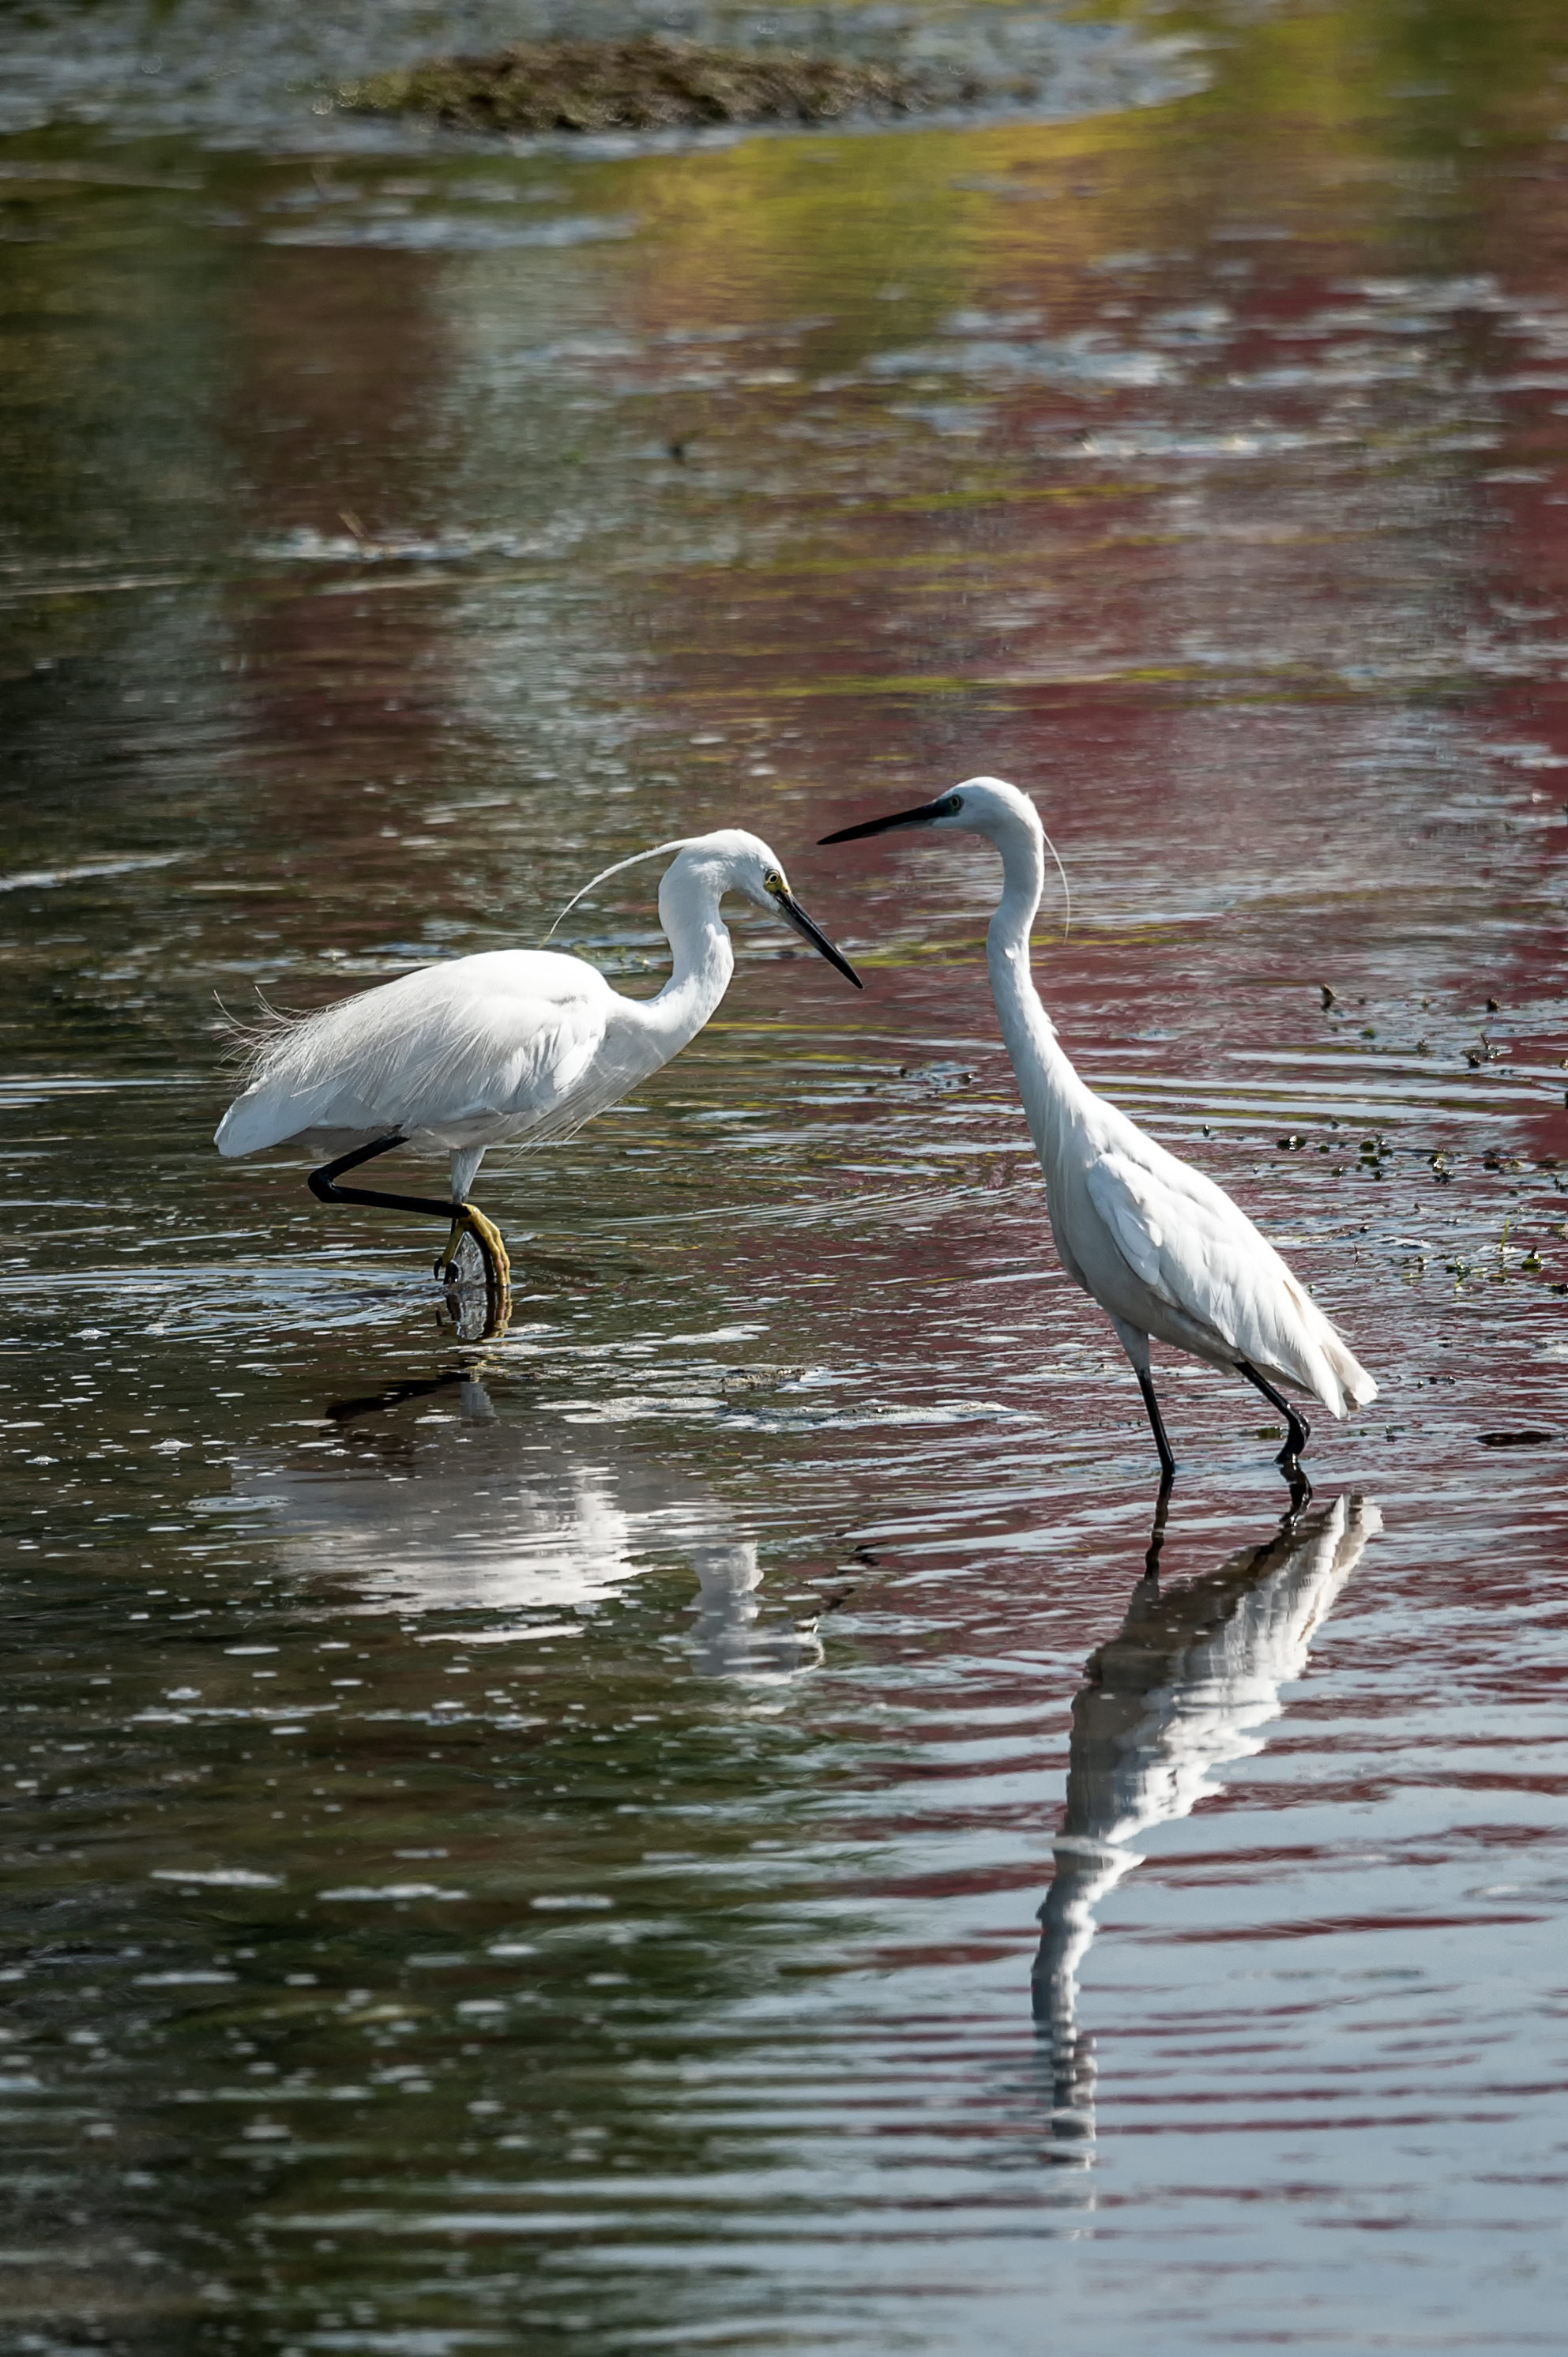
[537, 1846]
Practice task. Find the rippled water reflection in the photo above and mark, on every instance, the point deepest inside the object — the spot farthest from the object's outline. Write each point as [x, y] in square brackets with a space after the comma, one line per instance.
[540, 1845]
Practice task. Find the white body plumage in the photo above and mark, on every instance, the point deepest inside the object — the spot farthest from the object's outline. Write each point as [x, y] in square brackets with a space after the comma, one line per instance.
[456, 1058]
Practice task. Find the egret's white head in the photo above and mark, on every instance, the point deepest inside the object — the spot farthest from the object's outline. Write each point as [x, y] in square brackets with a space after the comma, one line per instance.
[987, 806]
[730, 860]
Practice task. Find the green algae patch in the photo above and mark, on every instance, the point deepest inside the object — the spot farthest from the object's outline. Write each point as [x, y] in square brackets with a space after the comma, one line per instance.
[648, 85]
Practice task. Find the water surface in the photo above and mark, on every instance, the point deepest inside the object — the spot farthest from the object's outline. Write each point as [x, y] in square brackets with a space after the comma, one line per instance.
[605, 1839]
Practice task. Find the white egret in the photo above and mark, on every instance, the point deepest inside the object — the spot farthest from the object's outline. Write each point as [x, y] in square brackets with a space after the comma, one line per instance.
[1161, 1248]
[523, 1045]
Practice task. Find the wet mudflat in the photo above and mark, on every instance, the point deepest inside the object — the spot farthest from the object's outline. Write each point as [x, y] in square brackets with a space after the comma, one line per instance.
[538, 1844]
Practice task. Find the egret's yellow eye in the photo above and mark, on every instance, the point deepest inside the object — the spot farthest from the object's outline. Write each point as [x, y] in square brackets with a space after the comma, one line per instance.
[953, 802]
[774, 882]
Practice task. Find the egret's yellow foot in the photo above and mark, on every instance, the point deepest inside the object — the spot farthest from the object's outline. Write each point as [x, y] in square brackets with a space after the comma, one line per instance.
[492, 1250]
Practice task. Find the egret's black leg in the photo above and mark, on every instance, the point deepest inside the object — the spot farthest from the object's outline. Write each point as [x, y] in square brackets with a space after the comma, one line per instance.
[1157, 1532]
[1167, 1461]
[325, 1188]
[1298, 1432]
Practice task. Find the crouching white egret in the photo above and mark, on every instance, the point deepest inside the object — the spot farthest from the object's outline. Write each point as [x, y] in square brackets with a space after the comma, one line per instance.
[1163, 1248]
[508, 1045]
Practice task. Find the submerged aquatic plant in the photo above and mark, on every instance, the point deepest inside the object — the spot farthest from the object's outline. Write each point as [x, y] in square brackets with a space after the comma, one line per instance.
[650, 83]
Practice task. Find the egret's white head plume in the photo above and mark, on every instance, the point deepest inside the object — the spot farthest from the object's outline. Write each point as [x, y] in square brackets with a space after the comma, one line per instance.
[657, 851]
[731, 860]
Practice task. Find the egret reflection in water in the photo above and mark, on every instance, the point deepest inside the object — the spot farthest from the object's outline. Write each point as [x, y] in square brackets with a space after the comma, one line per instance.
[1190, 1681]
[424, 1496]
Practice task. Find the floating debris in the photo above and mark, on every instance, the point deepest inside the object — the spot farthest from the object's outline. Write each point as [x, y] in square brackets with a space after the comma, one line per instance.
[1485, 1052]
[651, 84]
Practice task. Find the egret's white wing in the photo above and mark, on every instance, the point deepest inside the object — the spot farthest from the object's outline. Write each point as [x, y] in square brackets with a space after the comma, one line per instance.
[1188, 1242]
[1197, 1253]
[627, 1053]
[529, 1041]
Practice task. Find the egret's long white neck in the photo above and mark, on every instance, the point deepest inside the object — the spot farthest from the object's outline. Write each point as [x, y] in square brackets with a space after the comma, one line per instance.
[1046, 1075]
[689, 899]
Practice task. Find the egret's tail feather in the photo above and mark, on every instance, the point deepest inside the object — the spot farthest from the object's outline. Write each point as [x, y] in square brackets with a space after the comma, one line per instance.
[1360, 1388]
[1343, 1382]
[1350, 1380]
[1330, 1369]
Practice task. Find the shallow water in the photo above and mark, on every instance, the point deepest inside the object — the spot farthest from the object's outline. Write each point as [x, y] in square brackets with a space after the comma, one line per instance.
[539, 1844]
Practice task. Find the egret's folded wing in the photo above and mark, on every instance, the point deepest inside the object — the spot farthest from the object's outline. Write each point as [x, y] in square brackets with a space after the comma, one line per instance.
[584, 1086]
[1198, 1252]
[1187, 1240]
[510, 1035]
[521, 1053]
[1134, 1220]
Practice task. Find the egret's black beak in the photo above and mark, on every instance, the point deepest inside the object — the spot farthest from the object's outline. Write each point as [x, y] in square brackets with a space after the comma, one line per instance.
[921, 817]
[789, 908]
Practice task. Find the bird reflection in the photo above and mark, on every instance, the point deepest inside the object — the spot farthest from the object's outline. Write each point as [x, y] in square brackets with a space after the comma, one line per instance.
[1190, 1681]
[425, 1497]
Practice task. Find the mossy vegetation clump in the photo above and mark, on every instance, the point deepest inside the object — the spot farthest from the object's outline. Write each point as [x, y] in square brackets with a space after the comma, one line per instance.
[647, 85]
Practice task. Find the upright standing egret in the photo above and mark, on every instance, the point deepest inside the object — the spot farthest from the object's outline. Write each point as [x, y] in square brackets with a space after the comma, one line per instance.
[511, 1044]
[1163, 1248]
